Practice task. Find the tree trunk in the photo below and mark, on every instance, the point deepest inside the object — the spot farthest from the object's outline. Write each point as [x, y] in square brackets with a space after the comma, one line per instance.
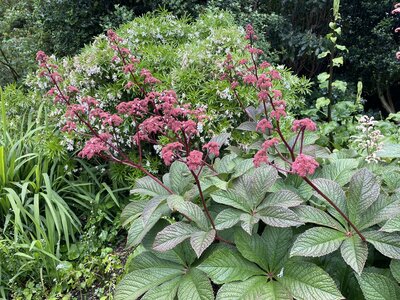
[386, 101]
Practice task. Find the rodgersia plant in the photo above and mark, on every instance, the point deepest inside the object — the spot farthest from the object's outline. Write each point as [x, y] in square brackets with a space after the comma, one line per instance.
[229, 220]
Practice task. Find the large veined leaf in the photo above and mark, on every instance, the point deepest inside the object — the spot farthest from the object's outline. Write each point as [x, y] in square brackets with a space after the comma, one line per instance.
[152, 273]
[165, 291]
[232, 198]
[395, 269]
[278, 242]
[242, 167]
[195, 286]
[151, 206]
[306, 281]
[378, 287]
[227, 218]
[173, 235]
[381, 210]
[180, 177]
[147, 186]
[201, 240]
[252, 247]
[340, 170]
[386, 243]
[363, 192]
[255, 183]
[225, 164]
[279, 217]
[248, 221]
[334, 193]
[190, 210]
[226, 265]
[310, 214]
[354, 252]
[148, 260]
[392, 225]
[253, 289]
[317, 241]
[282, 198]
[132, 211]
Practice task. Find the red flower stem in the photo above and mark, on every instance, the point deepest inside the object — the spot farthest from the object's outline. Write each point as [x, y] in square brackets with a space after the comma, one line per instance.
[309, 182]
[302, 140]
[295, 141]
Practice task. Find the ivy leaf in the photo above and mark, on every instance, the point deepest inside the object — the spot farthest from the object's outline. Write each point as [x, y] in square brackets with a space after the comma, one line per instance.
[252, 247]
[173, 235]
[363, 192]
[279, 217]
[195, 286]
[227, 265]
[278, 242]
[378, 287]
[386, 243]
[282, 198]
[165, 291]
[147, 186]
[309, 214]
[395, 269]
[227, 218]
[334, 193]
[317, 241]
[189, 209]
[201, 240]
[252, 289]
[354, 252]
[305, 280]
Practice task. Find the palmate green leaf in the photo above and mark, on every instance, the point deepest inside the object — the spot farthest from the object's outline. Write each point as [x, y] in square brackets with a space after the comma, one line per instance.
[378, 287]
[195, 285]
[255, 183]
[279, 217]
[225, 164]
[395, 269]
[252, 247]
[381, 210]
[201, 240]
[278, 242]
[254, 288]
[282, 198]
[310, 214]
[392, 225]
[173, 235]
[306, 281]
[226, 265]
[340, 170]
[232, 198]
[165, 291]
[363, 192]
[242, 167]
[132, 211]
[386, 243]
[227, 218]
[151, 206]
[147, 186]
[354, 252]
[248, 221]
[180, 177]
[317, 241]
[334, 193]
[190, 210]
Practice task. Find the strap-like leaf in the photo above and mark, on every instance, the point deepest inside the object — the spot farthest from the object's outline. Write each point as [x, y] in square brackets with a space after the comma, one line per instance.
[305, 280]
[227, 265]
[201, 240]
[317, 241]
[195, 286]
[354, 252]
[363, 191]
[386, 243]
[378, 287]
[279, 217]
[173, 235]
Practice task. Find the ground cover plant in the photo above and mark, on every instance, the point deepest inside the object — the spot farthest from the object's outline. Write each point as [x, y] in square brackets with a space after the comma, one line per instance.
[284, 218]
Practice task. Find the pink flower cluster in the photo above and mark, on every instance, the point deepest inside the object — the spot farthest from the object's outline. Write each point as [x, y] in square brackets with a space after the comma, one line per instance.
[304, 124]
[304, 165]
[262, 154]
